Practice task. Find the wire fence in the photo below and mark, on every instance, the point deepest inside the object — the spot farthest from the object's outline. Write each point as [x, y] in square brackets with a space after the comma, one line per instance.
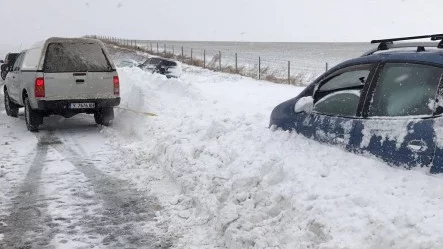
[266, 67]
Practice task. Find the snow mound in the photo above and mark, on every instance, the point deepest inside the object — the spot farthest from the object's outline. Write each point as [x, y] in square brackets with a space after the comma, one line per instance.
[242, 185]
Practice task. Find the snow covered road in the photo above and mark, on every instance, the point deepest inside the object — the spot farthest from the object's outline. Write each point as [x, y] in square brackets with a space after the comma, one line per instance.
[57, 197]
[205, 173]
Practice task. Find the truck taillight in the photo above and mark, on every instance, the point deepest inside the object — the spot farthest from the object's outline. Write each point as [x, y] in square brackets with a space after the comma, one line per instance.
[116, 85]
[39, 88]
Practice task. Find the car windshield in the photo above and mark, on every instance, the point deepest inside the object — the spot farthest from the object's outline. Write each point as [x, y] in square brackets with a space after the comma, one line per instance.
[221, 124]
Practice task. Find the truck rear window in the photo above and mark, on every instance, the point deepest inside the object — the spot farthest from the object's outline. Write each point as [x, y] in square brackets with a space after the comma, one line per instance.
[75, 57]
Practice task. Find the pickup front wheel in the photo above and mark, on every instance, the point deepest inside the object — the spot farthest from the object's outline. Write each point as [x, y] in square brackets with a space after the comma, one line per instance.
[104, 116]
[33, 118]
[11, 108]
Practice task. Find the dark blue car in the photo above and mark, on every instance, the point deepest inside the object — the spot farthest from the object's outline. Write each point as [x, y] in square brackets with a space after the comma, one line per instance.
[388, 103]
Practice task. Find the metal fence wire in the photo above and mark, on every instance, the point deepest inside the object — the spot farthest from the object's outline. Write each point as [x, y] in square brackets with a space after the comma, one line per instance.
[225, 59]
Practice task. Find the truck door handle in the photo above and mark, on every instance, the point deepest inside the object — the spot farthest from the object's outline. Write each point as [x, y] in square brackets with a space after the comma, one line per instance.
[79, 81]
[417, 146]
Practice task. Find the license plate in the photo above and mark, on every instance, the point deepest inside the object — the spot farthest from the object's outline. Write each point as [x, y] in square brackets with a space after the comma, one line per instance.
[81, 105]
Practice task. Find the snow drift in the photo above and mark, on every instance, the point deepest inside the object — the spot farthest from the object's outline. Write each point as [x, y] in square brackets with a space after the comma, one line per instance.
[234, 183]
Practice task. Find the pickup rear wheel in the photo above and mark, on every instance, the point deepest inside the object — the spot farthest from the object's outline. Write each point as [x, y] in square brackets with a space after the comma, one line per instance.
[11, 108]
[104, 116]
[33, 119]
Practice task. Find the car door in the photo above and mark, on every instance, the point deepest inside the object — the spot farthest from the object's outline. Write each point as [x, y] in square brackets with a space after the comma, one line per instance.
[14, 77]
[398, 115]
[336, 102]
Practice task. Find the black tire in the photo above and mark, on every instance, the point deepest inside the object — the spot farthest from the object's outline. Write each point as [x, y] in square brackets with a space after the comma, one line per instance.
[104, 116]
[33, 119]
[11, 108]
[3, 74]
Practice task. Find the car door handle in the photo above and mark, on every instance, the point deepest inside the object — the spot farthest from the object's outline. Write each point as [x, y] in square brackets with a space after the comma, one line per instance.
[417, 146]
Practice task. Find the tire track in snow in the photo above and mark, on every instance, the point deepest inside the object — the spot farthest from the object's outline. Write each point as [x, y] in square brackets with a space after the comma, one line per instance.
[125, 209]
[29, 225]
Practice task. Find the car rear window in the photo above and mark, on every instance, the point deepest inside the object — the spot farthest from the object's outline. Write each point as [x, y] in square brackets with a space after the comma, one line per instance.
[169, 63]
[75, 57]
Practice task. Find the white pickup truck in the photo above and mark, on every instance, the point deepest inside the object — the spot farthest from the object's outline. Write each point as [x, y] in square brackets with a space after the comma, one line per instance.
[63, 76]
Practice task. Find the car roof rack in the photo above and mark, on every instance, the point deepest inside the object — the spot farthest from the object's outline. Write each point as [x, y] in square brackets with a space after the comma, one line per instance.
[386, 44]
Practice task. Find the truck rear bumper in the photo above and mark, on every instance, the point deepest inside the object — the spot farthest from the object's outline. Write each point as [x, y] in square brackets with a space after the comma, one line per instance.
[62, 106]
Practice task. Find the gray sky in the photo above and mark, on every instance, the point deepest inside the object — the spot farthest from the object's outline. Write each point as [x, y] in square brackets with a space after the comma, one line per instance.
[241, 20]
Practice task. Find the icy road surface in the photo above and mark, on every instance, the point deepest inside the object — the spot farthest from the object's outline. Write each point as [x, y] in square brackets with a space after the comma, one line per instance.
[205, 173]
[57, 193]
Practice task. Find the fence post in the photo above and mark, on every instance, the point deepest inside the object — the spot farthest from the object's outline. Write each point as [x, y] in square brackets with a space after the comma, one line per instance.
[191, 56]
[326, 66]
[204, 58]
[289, 72]
[157, 47]
[236, 68]
[259, 68]
[219, 61]
[183, 54]
[164, 51]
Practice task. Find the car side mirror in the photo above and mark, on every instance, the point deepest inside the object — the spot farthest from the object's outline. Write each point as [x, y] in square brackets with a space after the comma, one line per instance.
[2, 61]
[304, 104]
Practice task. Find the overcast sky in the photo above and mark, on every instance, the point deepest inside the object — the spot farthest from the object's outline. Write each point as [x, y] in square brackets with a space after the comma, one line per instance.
[26, 21]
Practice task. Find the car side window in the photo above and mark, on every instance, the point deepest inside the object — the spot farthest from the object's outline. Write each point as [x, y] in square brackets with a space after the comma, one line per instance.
[155, 61]
[405, 89]
[340, 94]
[18, 62]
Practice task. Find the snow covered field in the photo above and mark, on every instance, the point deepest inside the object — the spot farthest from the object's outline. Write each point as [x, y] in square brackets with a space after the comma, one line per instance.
[206, 173]
[307, 58]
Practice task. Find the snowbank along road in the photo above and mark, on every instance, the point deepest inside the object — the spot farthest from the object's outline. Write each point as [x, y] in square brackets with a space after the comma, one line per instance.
[205, 173]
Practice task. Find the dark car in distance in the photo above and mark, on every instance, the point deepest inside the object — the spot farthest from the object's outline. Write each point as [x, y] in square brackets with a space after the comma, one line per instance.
[7, 64]
[388, 103]
[169, 68]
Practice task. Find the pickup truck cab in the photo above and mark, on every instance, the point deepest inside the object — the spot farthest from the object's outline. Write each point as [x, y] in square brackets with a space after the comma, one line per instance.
[63, 76]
